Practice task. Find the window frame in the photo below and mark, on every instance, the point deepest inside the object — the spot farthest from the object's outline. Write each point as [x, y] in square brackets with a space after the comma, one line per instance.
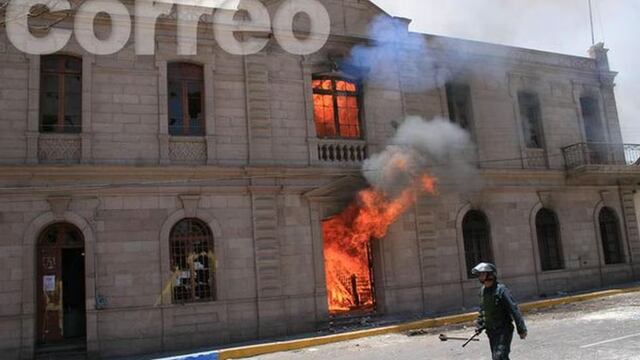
[611, 226]
[526, 128]
[477, 245]
[61, 72]
[180, 247]
[180, 74]
[334, 95]
[549, 238]
[451, 90]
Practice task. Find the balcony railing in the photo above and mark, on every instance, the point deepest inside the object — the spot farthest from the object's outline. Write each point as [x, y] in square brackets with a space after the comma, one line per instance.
[340, 152]
[583, 154]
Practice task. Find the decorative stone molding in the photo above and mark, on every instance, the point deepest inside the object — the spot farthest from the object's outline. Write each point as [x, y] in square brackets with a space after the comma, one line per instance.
[190, 150]
[546, 199]
[536, 159]
[59, 148]
[190, 204]
[59, 205]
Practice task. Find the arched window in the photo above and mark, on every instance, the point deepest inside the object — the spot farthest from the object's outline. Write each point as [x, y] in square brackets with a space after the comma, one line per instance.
[549, 246]
[186, 99]
[477, 239]
[60, 94]
[610, 235]
[336, 107]
[192, 262]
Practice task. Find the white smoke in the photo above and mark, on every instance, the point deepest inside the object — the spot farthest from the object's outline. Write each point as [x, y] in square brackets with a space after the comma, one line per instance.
[437, 147]
[549, 25]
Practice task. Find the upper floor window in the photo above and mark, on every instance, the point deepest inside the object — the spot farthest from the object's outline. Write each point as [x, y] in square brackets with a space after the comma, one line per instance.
[548, 231]
[192, 261]
[336, 108]
[186, 99]
[477, 239]
[610, 236]
[593, 128]
[459, 103]
[60, 94]
[531, 117]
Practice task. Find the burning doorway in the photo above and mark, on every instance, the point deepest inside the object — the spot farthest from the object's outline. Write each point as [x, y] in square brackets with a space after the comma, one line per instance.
[347, 239]
[348, 271]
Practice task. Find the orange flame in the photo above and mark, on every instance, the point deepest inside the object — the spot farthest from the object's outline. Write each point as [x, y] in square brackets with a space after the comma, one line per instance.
[347, 238]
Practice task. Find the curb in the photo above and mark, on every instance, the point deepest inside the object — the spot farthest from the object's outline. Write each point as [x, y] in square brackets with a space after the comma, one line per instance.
[261, 349]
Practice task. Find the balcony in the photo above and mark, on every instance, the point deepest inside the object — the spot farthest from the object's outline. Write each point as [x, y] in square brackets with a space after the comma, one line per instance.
[603, 162]
[338, 152]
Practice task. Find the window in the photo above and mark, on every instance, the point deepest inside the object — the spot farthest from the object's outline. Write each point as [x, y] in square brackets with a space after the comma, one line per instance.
[591, 115]
[459, 102]
[336, 108]
[477, 239]
[531, 119]
[610, 235]
[61, 94]
[192, 262]
[548, 231]
[186, 99]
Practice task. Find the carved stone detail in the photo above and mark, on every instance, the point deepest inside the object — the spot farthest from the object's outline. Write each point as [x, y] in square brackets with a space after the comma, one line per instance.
[188, 150]
[58, 148]
[340, 152]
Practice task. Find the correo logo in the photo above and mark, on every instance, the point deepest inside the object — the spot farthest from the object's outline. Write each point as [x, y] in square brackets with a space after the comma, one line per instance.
[188, 13]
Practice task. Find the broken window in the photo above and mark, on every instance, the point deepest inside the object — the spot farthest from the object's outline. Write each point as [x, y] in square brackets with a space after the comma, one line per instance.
[610, 234]
[477, 239]
[186, 99]
[531, 118]
[548, 231]
[336, 108]
[459, 103]
[192, 262]
[60, 94]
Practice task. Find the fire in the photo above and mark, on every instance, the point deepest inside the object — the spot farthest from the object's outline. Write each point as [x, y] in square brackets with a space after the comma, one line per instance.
[347, 242]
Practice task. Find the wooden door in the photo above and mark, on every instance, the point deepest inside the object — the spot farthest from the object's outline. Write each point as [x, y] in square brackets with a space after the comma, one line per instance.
[50, 280]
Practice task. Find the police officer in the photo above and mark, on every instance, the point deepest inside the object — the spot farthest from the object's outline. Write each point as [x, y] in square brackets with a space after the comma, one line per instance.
[498, 310]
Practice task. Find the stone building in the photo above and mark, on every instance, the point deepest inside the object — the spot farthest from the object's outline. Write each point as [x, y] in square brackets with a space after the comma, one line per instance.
[161, 203]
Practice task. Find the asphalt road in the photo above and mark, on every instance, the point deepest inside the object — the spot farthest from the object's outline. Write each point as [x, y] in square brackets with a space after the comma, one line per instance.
[596, 330]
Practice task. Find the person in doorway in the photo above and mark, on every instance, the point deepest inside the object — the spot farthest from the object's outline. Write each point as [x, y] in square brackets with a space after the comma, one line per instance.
[498, 311]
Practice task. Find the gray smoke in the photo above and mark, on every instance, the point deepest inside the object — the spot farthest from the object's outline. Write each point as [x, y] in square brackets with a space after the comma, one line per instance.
[437, 147]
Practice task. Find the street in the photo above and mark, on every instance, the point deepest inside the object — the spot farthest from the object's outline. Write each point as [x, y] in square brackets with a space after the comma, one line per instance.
[601, 329]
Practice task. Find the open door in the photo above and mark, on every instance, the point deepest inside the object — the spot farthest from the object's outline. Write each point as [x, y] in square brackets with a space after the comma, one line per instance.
[348, 272]
[60, 285]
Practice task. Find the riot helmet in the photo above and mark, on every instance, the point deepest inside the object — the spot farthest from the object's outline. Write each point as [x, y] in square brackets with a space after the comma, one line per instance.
[485, 267]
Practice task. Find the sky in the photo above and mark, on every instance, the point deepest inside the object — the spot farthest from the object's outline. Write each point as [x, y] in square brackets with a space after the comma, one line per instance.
[551, 25]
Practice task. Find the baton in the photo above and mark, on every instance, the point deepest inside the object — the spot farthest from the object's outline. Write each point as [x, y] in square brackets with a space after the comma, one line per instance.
[471, 339]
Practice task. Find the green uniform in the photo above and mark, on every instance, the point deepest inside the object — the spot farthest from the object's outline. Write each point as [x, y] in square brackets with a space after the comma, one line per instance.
[498, 310]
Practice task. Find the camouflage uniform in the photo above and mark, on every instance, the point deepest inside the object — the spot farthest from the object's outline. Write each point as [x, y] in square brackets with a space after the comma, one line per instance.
[498, 310]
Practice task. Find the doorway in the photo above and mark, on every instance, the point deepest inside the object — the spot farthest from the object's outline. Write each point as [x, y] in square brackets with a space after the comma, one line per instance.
[61, 286]
[348, 271]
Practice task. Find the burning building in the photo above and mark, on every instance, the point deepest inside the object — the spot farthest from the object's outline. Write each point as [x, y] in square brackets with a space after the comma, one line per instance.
[165, 202]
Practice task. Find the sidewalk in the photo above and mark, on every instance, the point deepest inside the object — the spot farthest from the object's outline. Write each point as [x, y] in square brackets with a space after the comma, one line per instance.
[266, 348]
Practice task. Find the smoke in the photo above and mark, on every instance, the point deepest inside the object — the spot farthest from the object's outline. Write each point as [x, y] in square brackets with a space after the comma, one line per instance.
[437, 147]
[382, 59]
[549, 25]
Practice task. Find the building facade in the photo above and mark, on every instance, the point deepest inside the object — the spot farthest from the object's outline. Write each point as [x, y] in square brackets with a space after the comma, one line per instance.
[161, 203]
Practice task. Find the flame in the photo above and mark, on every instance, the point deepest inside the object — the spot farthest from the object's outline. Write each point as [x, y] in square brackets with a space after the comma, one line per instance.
[347, 242]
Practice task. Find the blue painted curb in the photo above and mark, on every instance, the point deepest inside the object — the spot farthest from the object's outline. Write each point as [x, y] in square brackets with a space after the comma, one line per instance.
[211, 355]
